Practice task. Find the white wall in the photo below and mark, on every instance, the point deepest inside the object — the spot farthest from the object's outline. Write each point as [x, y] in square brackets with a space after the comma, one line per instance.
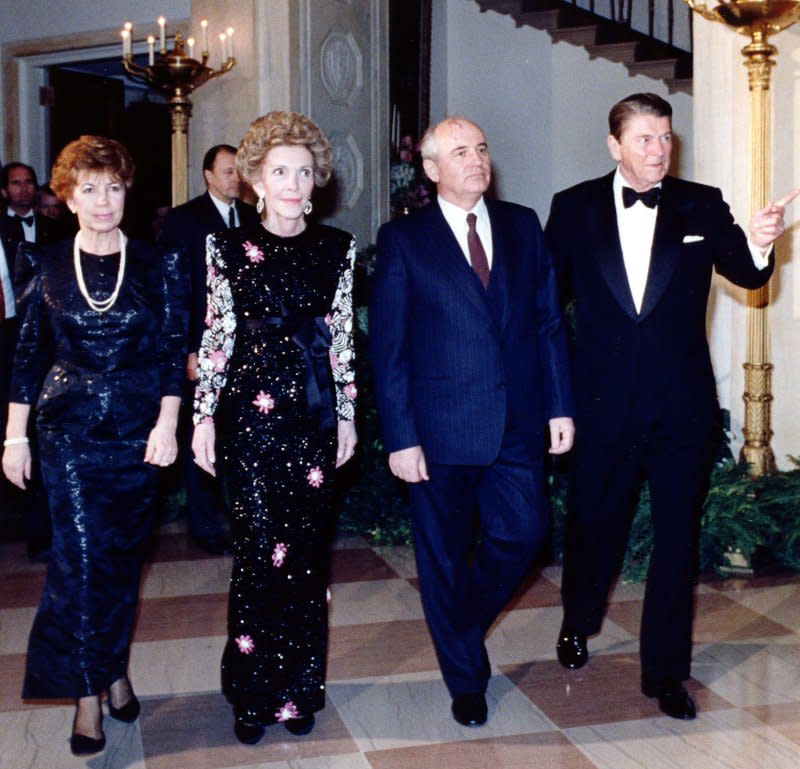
[543, 106]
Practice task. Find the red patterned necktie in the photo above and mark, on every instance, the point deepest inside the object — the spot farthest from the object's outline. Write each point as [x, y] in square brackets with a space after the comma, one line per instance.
[477, 256]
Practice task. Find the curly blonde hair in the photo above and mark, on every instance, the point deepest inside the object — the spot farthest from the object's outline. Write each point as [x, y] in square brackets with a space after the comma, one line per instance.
[276, 129]
[90, 153]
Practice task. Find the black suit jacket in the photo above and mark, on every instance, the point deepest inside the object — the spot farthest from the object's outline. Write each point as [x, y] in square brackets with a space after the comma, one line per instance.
[454, 364]
[47, 231]
[187, 226]
[656, 360]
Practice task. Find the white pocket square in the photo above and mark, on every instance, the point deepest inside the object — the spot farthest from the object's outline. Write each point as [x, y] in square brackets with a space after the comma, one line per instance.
[692, 238]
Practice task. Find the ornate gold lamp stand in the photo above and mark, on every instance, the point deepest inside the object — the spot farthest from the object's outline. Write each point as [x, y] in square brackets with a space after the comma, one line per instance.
[757, 19]
[177, 74]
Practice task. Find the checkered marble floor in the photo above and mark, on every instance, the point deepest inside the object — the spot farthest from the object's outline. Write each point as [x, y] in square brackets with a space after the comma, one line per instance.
[387, 707]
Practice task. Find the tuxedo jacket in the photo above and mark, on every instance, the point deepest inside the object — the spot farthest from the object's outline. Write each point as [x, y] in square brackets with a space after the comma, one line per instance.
[187, 226]
[656, 360]
[11, 234]
[455, 364]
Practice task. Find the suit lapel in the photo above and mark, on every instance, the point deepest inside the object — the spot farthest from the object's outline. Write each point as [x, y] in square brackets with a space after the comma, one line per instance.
[499, 283]
[213, 211]
[609, 251]
[666, 246]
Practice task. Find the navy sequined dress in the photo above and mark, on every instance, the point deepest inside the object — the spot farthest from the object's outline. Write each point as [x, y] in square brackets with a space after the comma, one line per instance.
[277, 358]
[96, 381]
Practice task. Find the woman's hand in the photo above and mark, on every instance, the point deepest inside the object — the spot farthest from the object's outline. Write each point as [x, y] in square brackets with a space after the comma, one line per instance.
[17, 464]
[346, 440]
[203, 446]
[162, 446]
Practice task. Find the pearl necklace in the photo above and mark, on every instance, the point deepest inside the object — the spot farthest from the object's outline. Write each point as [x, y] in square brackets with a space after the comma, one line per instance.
[104, 304]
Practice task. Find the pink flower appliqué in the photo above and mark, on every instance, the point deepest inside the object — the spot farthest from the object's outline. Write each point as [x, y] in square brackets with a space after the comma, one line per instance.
[350, 391]
[315, 477]
[218, 360]
[265, 402]
[245, 644]
[289, 710]
[334, 358]
[209, 320]
[254, 253]
[328, 319]
[279, 555]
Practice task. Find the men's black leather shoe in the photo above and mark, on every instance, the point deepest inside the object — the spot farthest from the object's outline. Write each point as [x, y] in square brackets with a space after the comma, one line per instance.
[469, 709]
[673, 699]
[571, 649]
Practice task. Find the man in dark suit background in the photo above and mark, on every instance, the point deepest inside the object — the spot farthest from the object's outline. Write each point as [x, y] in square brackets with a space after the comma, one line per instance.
[469, 353]
[187, 226]
[635, 249]
[20, 223]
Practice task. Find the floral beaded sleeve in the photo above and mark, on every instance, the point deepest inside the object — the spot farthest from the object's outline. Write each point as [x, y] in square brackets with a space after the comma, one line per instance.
[218, 338]
[342, 353]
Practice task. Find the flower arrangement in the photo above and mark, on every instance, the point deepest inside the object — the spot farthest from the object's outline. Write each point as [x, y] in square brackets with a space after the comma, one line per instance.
[408, 186]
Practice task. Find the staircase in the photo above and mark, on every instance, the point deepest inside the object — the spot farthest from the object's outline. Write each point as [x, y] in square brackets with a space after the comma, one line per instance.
[608, 36]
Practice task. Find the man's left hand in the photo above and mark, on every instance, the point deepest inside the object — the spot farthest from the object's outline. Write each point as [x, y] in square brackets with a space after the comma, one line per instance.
[767, 224]
[562, 434]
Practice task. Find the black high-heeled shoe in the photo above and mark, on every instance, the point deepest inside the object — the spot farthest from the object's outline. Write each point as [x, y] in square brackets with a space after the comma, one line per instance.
[128, 713]
[81, 745]
[300, 726]
[247, 732]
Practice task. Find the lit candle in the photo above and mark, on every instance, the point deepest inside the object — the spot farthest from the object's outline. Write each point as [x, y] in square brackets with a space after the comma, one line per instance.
[151, 54]
[162, 22]
[222, 37]
[230, 42]
[190, 46]
[126, 39]
[204, 25]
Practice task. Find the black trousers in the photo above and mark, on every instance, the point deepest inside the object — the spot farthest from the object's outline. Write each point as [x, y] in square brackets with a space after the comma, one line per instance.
[604, 491]
[464, 586]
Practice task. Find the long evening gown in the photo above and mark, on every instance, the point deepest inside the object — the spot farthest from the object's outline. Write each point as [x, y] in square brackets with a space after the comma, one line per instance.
[277, 357]
[97, 382]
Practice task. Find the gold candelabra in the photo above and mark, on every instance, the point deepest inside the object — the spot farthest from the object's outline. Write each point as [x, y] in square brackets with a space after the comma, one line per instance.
[176, 74]
[758, 19]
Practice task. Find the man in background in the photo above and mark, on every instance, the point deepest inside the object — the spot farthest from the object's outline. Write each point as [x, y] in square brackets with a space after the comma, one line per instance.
[187, 226]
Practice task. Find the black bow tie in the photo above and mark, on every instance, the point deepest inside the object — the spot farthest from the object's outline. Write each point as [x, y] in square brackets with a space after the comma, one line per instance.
[648, 197]
[24, 219]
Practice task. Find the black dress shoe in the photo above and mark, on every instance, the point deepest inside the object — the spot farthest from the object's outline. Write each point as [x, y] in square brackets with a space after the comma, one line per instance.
[300, 726]
[673, 699]
[81, 745]
[571, 648]
[217, 545]
[247, 732]
[469, 709]
[128, 713]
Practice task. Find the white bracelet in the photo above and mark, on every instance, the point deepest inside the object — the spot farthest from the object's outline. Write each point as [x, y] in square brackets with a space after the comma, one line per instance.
[14, 441]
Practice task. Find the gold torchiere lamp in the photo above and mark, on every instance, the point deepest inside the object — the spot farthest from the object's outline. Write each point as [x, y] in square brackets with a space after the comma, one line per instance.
[177, 74]
[758, 19]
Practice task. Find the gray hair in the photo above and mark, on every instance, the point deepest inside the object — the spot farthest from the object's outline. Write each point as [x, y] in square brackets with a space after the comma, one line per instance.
[427, 145]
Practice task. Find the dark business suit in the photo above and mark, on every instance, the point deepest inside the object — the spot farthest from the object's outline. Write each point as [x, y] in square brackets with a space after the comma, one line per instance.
[31, 505]
[471, 375]
[645, 400]
[187, 226]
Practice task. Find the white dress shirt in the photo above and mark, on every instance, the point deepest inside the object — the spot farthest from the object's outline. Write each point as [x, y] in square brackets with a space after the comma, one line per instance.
[5, 283]
[28, 230]
[224, 209]
[456, 218]
[636, 226]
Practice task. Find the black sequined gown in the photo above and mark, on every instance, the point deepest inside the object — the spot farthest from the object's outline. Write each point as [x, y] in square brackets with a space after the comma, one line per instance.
[96, 381]
[277, 357]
